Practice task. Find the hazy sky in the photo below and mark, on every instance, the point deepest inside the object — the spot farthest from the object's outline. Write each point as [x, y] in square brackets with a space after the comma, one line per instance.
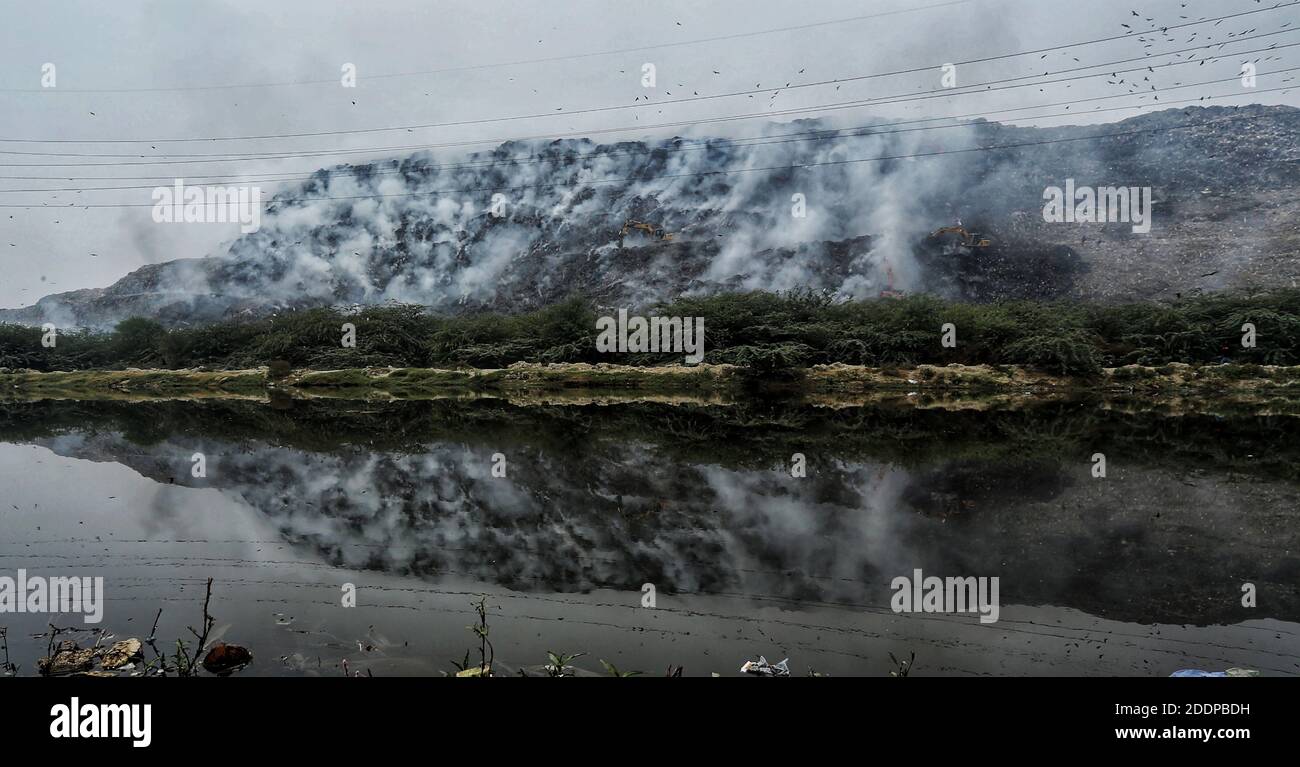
[151, 71]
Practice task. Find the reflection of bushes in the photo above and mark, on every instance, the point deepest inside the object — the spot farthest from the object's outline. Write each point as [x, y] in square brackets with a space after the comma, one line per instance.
[771, 334]
[749, 435]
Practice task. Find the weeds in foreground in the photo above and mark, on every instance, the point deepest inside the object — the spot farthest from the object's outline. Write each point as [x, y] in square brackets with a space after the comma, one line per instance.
[613, 670]
[185, 663]
[904, 667]
[6, 667]
[486, 652]
[67, 657]
[561, 664]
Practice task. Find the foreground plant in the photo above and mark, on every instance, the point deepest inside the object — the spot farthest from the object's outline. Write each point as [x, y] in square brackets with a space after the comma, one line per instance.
[613, 670]
[486, 652]
[561, 664]
[904, 667]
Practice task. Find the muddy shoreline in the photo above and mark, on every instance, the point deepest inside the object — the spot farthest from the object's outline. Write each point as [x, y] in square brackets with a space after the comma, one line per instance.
[705, 383]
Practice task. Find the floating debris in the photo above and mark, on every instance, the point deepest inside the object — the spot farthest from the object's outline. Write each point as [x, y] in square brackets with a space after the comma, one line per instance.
[225, 659]
[475, 671]
[120, 654]
[69, 659]
[1189, 672]
[761, 667]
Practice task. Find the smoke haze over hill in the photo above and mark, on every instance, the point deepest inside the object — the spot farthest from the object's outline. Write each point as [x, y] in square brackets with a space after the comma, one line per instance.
[530, 223]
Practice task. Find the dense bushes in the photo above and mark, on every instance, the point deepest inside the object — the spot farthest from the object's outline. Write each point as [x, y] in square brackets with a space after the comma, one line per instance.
[768, 333]
[21, 347]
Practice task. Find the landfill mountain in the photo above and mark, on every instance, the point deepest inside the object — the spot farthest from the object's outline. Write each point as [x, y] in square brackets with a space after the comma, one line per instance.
[802, 205]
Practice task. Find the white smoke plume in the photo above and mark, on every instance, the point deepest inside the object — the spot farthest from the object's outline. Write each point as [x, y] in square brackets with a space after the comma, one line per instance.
[424, 230]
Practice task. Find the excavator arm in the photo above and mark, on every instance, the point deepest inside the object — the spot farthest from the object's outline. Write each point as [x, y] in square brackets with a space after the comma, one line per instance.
[968, 239]
[654, 231]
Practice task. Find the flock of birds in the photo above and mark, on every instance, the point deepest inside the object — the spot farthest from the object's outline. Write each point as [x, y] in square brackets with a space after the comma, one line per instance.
[1206, 51]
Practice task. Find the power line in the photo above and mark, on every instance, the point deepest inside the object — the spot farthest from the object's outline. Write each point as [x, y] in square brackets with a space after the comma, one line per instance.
[499, 64]
[522, 158]
[793, 166]
[461, 123]
[882, 100]
[801, 136]
[891, 99]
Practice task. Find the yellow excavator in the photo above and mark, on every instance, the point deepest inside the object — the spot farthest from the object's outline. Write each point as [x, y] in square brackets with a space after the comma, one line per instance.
[656, 232]
[967, 239]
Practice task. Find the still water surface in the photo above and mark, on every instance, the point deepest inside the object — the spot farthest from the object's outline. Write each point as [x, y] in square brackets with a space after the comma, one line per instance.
[1137, 573]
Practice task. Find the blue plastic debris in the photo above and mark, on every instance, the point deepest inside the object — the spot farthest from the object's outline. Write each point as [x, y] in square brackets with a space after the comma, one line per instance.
[1229, 672]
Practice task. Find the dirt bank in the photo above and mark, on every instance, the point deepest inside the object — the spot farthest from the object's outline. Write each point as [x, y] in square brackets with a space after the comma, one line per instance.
[668, 383]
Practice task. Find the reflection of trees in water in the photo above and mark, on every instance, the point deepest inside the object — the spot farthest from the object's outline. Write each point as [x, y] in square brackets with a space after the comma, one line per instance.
[593, 499]
[600, 516]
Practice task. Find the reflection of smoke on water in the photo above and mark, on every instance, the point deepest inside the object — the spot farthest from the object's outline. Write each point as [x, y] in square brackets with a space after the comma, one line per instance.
[829, 535]
[566, 523]
[584, 508]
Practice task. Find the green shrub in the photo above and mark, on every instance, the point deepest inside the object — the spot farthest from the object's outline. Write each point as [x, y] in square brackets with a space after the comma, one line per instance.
[766, 332]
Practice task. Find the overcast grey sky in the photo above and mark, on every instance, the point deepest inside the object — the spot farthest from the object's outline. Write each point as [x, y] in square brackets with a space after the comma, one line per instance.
[150, 71]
